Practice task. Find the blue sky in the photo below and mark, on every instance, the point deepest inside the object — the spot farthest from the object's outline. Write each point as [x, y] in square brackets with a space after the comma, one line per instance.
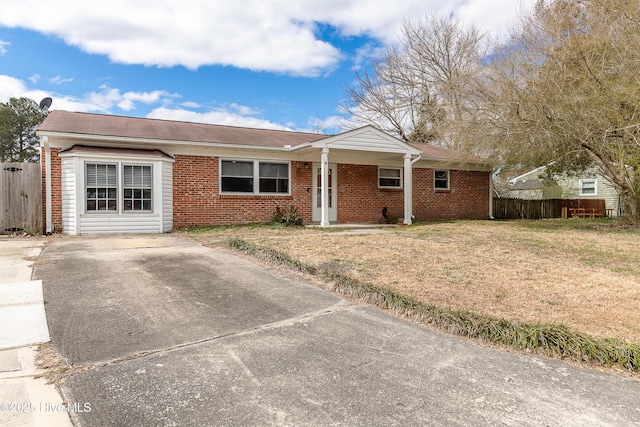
[278, 64]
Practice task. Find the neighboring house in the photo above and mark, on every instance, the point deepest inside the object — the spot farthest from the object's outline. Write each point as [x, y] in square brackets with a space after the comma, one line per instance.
[534, 185]
[112, 174]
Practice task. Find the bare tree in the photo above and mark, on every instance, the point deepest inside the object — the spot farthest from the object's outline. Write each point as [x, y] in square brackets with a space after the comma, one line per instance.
[566, 89]
[424, 89]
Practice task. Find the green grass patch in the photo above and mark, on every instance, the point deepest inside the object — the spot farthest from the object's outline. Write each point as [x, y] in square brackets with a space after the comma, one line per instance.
[551, 339]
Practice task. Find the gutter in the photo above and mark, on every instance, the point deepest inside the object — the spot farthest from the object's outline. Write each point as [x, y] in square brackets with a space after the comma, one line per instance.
[491, 195]
[44, 142]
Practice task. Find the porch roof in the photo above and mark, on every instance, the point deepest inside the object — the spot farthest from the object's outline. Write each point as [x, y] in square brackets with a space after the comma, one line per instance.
[366, 138]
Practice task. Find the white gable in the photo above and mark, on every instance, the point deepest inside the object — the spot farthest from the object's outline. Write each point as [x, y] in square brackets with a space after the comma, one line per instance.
[366, 139]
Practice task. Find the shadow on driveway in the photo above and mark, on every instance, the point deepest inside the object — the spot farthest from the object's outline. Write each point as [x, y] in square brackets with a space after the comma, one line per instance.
[181, 334]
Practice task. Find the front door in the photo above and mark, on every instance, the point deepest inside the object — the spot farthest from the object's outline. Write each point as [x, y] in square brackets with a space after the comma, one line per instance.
[317, 192]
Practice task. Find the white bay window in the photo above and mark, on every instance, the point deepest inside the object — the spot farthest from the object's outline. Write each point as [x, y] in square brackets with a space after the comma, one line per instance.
[115, 187]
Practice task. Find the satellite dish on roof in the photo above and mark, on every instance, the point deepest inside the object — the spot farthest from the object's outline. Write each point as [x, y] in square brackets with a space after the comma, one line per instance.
[45, 104]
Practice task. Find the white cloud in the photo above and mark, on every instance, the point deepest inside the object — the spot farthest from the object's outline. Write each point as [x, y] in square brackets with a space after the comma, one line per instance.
[34, 78]
[190, 104]
[58, 80]
[328, 125]
[265, 35]
[11, 87]
[108, 99]
[495, 17]
[103, 101]
[3, 47]
[366, 53]
[220, 116]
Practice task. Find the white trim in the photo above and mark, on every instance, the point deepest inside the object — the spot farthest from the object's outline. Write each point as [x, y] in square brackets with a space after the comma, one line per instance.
[144, 143]
[79, 221]
[48, 214]
[408, 190]
[400, 176]
[367, 138]
[448, 180]
[156, 192]
[256, 177]
[324, 189]
[519, 177]
[595, 187]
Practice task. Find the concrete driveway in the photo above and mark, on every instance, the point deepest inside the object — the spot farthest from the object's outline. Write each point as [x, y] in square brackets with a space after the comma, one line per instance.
[179, 334]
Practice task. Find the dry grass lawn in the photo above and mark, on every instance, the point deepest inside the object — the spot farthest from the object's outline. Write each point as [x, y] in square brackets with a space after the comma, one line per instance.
[582, 274]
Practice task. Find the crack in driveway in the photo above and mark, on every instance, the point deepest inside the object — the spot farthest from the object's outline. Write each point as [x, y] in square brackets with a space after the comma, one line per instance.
[341, 305]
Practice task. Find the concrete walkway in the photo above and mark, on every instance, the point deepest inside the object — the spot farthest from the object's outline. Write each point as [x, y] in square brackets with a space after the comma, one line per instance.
[25, 398]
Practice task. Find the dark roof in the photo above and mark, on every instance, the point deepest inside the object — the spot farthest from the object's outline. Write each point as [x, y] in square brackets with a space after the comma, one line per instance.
[131, 127]
[87, 124]
[435, 152]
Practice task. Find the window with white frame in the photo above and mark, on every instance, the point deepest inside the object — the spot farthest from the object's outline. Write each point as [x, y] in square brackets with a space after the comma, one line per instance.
[103, 189]
[588, 187]
[237, 176]
[137, 188]
[274, 178]
[389, 177]
[254, 177]
[441, 179]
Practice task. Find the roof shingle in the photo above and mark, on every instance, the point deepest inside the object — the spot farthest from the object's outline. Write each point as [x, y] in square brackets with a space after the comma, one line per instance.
[167, 130]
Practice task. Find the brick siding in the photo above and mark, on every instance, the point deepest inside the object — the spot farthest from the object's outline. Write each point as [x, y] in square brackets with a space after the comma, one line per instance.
[360, 199]
[467, 197]
[56, 189]
[197, 200]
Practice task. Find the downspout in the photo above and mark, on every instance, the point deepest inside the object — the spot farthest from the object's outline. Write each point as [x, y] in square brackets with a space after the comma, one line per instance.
[47, 205]
[491, 195]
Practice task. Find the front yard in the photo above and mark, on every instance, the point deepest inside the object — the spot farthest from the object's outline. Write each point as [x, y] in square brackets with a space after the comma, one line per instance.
[582, 274]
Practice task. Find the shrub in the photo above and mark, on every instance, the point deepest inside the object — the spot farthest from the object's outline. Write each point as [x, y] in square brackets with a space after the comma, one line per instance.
[287, 216]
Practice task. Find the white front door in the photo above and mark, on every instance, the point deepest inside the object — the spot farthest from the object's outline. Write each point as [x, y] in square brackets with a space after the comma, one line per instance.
[332, 188]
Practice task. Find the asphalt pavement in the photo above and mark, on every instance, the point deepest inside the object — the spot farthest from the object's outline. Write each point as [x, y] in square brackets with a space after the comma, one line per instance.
[173, 333]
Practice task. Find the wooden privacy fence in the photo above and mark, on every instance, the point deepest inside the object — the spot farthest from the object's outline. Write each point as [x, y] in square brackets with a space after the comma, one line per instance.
[20, 198]
[505, 208]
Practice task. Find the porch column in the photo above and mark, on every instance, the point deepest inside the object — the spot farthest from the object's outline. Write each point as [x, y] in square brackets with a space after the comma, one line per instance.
[408, 189]
[324, 189]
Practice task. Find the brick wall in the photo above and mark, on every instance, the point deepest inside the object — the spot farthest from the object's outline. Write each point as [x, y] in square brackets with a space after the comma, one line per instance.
[360, 199]
[467, 197]
[56, 189]
[197, 200]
